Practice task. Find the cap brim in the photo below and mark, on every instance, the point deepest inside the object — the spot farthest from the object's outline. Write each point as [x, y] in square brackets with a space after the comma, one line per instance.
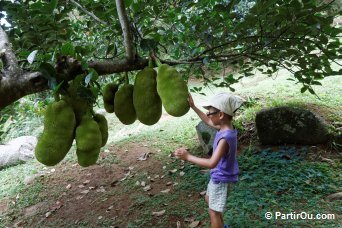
[206, 105]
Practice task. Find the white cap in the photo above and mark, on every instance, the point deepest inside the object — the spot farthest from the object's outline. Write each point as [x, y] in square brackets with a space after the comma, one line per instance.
[225, 102]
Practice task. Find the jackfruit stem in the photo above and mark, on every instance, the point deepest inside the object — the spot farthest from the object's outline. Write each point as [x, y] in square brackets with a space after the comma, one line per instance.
[56, 97]
[126, 78]
[157, 62]
[150, 62]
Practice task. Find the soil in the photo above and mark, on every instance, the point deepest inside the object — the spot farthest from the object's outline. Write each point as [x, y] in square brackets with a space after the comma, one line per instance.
[75, 195]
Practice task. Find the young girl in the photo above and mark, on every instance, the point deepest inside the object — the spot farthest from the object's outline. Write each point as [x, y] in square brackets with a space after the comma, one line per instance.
[224, 167]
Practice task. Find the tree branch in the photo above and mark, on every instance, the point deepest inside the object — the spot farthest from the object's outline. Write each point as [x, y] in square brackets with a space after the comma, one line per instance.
[88, 13]
[126, 30]
[7, 56]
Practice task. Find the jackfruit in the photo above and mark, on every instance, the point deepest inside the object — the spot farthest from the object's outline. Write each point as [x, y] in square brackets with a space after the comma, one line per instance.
[172, 90]
[103, 125]
[58, 134]
[88, 141]
[80, 105]
[146, 100]
[123, 105]
[108, 96]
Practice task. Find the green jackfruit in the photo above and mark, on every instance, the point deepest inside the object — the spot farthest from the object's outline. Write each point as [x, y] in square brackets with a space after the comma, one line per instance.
[123, 105]
[146, 100]
[172, 90]
[88, 157]
[58, 134]
[79, 104]
[103, 125]
[88, 141]
[108, 96]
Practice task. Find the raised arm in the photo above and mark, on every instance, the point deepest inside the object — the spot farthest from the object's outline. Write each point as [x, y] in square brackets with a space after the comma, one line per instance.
[201, 114]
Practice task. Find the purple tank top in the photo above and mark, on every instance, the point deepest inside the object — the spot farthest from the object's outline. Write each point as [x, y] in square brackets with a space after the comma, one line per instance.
[227, 170]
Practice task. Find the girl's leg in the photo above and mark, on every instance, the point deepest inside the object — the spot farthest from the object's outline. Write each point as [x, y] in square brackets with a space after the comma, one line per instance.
[216, 219]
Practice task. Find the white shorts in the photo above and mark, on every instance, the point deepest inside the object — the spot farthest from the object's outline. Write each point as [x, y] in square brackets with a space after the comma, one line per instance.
[218, 194]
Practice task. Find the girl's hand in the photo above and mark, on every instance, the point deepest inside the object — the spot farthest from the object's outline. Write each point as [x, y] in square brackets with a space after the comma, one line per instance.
[191, 101]
[182, 153]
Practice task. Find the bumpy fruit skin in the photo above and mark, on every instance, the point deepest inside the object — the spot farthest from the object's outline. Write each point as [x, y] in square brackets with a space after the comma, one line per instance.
[88, 141]
[123, 105]
[103, 125]
[58, 134]
[146, 100]
[108, 96]
[172, 90]
[80, 105]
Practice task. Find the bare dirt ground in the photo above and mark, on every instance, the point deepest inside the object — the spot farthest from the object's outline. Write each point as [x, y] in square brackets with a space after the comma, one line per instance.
[101, 195]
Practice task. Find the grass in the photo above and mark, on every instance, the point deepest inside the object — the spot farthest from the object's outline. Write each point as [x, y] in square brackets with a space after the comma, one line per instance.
[269, 181]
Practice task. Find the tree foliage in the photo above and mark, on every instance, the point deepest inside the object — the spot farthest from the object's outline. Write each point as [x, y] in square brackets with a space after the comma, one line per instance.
[268, 35]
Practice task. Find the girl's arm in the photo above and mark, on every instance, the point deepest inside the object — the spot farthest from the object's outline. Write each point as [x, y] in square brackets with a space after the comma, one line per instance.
[201, 114]
[210, 163]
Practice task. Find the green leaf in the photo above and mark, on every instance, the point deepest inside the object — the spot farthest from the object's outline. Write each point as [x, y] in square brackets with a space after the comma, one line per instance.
[128, 3]
[316, 83]
[68, 49]
[304, 88]
[47, 70]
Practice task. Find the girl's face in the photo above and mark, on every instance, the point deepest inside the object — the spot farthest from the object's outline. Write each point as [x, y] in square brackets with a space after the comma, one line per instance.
[214, 115]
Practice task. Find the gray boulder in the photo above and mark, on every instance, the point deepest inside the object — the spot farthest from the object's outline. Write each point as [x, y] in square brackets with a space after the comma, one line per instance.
[289, 125]
[206, 136]
[18, 149]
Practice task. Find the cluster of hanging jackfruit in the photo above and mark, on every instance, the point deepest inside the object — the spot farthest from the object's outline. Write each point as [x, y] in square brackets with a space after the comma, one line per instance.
[144, 99]
[69, 118]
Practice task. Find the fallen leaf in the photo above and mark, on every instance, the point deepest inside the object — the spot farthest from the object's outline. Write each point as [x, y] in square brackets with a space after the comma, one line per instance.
[91, 188]
[113, 184]
[79, 197]
[143, 183]
[102, 189]
[109, 208]
[147, 188]
[173, 170]
[165, 191]
[86, 181]
[47, 214]
[81, 186]
[174, 184]
[327, 160]
[194, 224]
[179, 224]
[159, 213]
[169, 183]
[181, 174]
[68, 186]
[203, 193]
[100, 217]
[144, 157]
[85, 192]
